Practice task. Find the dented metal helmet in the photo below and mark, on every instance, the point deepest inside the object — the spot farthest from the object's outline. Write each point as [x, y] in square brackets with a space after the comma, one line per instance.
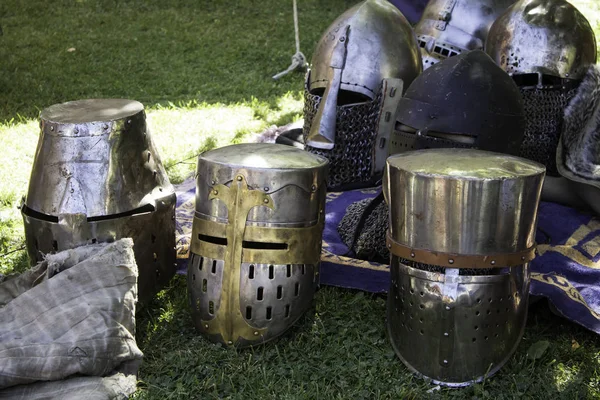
[449, 27]
[256, 241]
[97, 177]
[464, 101]
[365, 57]
[546, 46]
[549, 37]
[458, 297]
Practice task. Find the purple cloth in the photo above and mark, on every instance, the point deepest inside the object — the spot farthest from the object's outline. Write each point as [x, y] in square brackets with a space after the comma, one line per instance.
[566, 271]
[412, 9]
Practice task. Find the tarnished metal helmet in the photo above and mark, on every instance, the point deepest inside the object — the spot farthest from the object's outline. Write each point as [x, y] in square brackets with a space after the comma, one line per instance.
[547, 46]
[97, 177]
[256, 240]
[457, 303]
[463, 101]
[365, 57]
[449, 27]
[549, 37]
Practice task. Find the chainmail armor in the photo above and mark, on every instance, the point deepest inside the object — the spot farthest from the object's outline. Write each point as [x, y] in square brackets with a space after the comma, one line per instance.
[370, 242]
[544, 109]
[351, 159]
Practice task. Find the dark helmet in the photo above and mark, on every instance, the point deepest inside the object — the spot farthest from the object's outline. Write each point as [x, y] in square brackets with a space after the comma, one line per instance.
[462, 101]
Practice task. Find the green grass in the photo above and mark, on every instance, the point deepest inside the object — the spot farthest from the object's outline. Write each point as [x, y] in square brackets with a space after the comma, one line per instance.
[203, 70]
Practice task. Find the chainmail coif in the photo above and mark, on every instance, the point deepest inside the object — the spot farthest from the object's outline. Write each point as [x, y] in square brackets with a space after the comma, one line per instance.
[351, 159]
[544, 109]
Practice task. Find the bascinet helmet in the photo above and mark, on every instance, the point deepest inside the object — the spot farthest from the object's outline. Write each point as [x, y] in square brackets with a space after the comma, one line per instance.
[547, 46]
[360, 68]
[449, 27]
[97, 177]
[457, 303]
[463, 101]
[256, 240]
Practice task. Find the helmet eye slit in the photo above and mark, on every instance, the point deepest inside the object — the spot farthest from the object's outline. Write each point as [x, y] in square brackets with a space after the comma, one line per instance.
[264, 245]
[212, 239]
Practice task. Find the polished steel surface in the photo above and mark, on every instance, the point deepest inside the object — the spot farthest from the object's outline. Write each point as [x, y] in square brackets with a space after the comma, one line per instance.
[449, 27]
[95, 157]
[548, 37]
[463, 201]
[380, 44]
[456, 329]
[97, 177]
[255, 241]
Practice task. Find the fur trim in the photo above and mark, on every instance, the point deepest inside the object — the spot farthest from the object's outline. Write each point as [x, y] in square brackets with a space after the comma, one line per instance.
[579, 154]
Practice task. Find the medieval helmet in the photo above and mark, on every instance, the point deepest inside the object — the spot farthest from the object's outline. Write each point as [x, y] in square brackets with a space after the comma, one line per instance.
[547, 46]
[463, 101]
[97, 177]
[458, 297]
[449, 27]
[362, 65]
[256, 240]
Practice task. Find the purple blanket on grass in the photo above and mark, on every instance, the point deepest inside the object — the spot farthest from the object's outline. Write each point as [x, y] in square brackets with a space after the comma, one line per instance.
[566, 271]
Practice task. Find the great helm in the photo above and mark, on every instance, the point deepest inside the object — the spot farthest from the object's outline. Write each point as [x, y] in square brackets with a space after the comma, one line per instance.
[463, 101]
[360, 68]
[256, 240]
[458, 297]
[449, 27]
[547, 46]
[97, 177]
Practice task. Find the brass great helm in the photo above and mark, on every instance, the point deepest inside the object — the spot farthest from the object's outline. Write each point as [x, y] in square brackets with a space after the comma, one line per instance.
[449, 27]
[547, 46]
[462, 227]
[97, 177]
[256, 240]
[360, 68]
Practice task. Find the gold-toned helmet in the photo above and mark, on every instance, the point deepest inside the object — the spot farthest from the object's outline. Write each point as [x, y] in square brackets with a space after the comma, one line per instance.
[549, 37]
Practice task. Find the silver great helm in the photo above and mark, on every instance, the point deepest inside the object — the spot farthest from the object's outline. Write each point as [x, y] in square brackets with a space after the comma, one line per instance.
[256, 240]
[449, 27]
[464, 101]
[360, 68]
[547, 46]
[97, 177]
[462, 227]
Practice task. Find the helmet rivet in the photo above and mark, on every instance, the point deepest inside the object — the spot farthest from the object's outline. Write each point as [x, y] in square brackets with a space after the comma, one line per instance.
[52, 128]
[493, 262]
[523, 258]
[445, 361]
[450, 261]
[266, 189]
[229, 342]
[266, 201]
[255, 333]
[76, 131]
[448, 308]
[389, 245]
[213, 182]
[239, 178]
[215, 192]
[105, 126]
[313, 188]
[412, 254]
[128, 121]
[342, 39]
[446, 334]
[206, 326]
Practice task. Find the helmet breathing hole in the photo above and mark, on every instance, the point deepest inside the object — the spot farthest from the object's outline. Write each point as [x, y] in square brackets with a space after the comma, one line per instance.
[259, 293]
[204, 285]
[271, 272]
[279, 292]
[200, 263]
[248, 312]
[269, 313]
[211, 307]
[287, 310]
[251, 272]
[214, 267]
[288, 271]
[297, 289]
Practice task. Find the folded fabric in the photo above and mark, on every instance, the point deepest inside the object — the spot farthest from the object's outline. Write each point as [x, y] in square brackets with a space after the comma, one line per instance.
[74, 313]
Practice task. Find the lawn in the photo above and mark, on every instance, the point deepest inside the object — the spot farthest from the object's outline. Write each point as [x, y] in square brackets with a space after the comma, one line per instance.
[203, 70]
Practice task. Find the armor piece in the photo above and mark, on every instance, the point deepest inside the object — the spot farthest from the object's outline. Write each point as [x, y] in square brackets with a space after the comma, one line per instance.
[97, 177]
[361, 66]
[449, 27]
[546, 46]
[461, 234]
[465, 101]
[256, 240]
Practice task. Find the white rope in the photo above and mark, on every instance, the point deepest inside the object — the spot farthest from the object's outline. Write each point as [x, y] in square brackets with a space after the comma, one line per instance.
[298, 59]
